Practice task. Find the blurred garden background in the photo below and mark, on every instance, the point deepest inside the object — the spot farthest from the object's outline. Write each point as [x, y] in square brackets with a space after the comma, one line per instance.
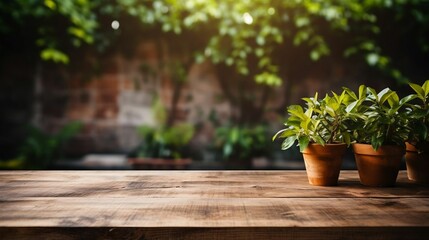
[188, 84]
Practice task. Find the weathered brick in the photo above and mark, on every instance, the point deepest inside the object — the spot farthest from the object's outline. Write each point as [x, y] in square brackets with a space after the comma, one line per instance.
[107, 82]
[106, 111]
[147, 51]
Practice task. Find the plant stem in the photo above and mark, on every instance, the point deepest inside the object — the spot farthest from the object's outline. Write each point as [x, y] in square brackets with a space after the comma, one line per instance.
[334, 130]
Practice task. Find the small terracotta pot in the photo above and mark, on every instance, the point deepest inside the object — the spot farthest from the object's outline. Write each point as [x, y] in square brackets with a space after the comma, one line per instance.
[378, 168]
[417, 164]
[323, 163]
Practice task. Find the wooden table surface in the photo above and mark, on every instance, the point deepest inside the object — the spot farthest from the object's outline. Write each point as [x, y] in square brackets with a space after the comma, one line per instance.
[206, 205]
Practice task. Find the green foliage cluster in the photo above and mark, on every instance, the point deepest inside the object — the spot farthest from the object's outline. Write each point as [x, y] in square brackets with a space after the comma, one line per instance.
[255, 29]
[44, 17]
[418, 116]
[241, 142]
[164, 141]
[244, 35]
[368, 116]
[322, 121]
[41, 149]
[380, 117]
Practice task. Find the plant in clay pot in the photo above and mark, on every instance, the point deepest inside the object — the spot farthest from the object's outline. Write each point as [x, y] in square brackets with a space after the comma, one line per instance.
[322, 136]
[379, 130]
[417, 145]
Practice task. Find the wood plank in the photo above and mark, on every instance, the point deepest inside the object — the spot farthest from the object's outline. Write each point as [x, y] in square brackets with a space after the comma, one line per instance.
[191, 184]
[206, 205]
[368, 233]
[218, 212]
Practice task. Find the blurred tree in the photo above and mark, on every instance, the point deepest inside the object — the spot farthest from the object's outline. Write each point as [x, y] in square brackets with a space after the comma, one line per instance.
[254, 30]
[45, 24]
[244, 35]
[246, 39]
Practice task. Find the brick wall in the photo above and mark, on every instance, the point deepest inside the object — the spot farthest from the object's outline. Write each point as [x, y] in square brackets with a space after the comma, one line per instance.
[113, 103]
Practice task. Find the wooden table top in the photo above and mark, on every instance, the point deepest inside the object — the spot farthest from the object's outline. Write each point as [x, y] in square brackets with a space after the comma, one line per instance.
[245, 204]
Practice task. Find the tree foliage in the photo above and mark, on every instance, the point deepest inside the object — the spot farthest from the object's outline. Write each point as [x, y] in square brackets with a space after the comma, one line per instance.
[244, 35]
[47, 22]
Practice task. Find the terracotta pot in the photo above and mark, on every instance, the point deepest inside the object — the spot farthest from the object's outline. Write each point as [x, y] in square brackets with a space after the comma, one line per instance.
[417, 164]
[323, 163]
[378, 168]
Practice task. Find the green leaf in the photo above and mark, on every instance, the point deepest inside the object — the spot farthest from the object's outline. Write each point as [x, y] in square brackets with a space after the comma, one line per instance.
[362, 91]
[296, 110]
[293, 122]
[393, 100]
[383, 95]
[303, 142]
[54, 55]
[308, 100]
[309, 112]
[419, 90]
[305, 124]
[288, 133]
[284, 133]
[343, 97]
[376, 142]
[278, 134]
[337, 98]
[330, 111]
[372, 93]
[351, 106]
[288, 142]
[426, 87]
[350, 93]
[347, 138]
[407, 99]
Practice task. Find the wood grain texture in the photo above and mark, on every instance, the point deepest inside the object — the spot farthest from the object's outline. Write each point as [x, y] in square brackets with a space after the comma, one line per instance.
[207, 205]
[367, 233]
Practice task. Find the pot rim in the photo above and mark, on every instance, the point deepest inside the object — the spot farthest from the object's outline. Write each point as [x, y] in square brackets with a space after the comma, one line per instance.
[326, 146]
[366, 149]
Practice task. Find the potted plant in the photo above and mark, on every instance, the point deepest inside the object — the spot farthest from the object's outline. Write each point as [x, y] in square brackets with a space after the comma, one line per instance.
[162, 146]
[322, 136]
[417, 146]
[240, 144]
[380, 130]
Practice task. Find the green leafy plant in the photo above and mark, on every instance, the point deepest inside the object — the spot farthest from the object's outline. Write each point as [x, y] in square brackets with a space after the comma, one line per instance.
[163, 140]
[418, 116]
[378, 118]
[322, 121]
[41, 149]
[241, 142]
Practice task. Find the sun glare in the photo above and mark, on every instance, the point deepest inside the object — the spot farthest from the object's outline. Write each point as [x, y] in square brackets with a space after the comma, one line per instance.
[247, 18]
[115, 24]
